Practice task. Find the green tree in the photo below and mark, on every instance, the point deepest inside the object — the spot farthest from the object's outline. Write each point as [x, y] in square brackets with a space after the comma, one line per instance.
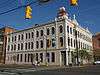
[83, 55]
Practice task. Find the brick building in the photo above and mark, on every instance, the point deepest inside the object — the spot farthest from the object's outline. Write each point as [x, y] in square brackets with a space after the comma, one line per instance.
[3, 38]
[96, 46]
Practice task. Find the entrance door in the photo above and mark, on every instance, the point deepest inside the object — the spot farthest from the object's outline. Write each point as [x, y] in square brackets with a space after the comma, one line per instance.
[63, 57]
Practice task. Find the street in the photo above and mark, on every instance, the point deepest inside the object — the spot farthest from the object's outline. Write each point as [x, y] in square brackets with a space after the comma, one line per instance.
[87, 70]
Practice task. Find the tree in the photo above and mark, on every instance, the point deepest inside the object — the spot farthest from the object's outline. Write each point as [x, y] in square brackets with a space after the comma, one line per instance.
[83, 55]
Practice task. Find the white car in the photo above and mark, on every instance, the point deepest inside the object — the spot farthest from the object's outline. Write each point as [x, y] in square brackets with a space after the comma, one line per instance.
[96, 62]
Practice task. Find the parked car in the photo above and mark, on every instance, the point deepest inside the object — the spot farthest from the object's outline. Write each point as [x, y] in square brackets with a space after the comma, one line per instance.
[96, 63]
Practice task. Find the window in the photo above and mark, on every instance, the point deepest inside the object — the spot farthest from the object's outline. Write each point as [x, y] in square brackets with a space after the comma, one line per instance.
[37, 44]
[29, 35]
[41, 32]
[41, 42]
[18, 46]
[25, 57]
[32, 34]
[61, 41]
[18, 37]
[22, 37]
[26, 35]
[15, 38]
[14, 47]
[48, 43]
[28, 57]
[32, 45]
[12, 39]
[17, 57]
[41, 57]
[53, 42]
[61, 29]
[74, 43]
[11, 47]
[48, 57]
[71, 42]
[21, 57]
[8, 39]
[79, 45]
[37, 34]
[74, 32]
[53, 57]
[8, 47]
[21, 46]
[68, 29]
[36, 56]
[68, 41]
[78, 33]
[53, 30]
[26, 46]
[31, 56]
[48, 31]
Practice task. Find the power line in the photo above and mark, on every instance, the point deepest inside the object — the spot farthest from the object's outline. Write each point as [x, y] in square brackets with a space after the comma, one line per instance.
[18, 8]
[4, 4]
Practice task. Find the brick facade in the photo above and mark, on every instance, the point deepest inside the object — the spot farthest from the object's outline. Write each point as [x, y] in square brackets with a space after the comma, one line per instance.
[3, 39]
[96, 46]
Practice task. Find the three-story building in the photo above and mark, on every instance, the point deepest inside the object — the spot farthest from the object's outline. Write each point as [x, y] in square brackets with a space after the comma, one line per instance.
[52, 43]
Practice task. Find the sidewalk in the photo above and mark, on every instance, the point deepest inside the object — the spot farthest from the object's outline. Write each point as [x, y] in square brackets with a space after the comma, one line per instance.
[26, 66]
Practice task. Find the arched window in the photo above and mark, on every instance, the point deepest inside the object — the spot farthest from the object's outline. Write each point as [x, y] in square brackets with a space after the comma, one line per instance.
[18, 46]
[22, 36]
[68, 41]
[17, 57]
[32, 45]
[68, 29]
[37, 44]
[41, 42]
[18, 37]
[32, 34]
[21, 46]
[53, 30]
[29, 35]
[48, 31]
[61, 41]
[37, 33]
[28, 45]
[25, 46]
[41, 32]
[61, 29]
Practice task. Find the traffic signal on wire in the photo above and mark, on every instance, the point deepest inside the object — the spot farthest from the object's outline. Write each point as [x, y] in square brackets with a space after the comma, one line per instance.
[73, 2]
[28, 12]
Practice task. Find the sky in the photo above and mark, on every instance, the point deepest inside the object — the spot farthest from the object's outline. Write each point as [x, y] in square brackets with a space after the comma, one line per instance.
[87, 13]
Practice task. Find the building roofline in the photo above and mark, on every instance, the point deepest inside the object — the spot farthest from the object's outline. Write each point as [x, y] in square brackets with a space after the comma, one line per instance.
[7, 27]
[38, 25]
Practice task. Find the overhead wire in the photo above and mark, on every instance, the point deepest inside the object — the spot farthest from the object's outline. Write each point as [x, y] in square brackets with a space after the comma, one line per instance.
[18, 7]
[3, 5]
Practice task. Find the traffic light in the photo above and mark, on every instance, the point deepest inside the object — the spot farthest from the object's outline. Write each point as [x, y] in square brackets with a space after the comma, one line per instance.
[28, 12]
[73, 2]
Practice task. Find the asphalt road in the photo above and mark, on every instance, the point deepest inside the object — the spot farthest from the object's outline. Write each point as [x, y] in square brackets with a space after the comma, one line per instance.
[90, 70]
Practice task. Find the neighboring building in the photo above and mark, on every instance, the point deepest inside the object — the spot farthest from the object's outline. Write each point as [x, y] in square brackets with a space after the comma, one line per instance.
[3, 39]
[52, 43]
[96, 46]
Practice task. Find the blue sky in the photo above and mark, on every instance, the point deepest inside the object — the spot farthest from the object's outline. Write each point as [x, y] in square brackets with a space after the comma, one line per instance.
[87, 13]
